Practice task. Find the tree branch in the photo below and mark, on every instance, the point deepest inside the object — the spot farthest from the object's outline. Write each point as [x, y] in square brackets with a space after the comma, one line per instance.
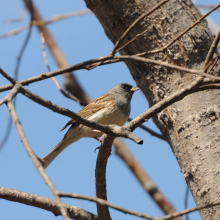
[100, 176]
[150, 131]
[45, 203]
[34, 158]
[212, 50]
[85, 64]
[176, 96]
[44, 23]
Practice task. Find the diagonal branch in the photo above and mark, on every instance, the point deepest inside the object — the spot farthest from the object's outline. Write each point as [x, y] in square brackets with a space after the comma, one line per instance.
[11, 94]
[176, 96]
[7, 76]
[34, 158]
[212, 50]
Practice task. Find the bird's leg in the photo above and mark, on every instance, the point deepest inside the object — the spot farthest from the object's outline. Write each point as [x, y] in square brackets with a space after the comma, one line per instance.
[95, 130]
[100, 140]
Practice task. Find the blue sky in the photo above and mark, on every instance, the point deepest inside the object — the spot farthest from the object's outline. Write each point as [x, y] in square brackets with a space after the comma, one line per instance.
[80, 38]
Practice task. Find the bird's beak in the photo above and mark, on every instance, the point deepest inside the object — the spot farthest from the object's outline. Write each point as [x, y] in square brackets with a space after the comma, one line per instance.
[134, 89]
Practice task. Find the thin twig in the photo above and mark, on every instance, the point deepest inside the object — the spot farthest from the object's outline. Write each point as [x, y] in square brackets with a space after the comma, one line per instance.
[29, 5]
[43, 23]
[134, 23]
[84, 65]
[7, 76]
[150, 131]
[142, 215]
[176, 96]
[216, 59]
[11, 94]
[66, 94]
[8, 131]
[212, 49]
[186, 201]
[206, 6]
[44, 76]
[43, 51]
[18, 19]
[183, 69]
[138, 35]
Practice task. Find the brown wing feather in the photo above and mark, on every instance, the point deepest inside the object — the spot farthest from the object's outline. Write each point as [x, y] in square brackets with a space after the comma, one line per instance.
[93, 107]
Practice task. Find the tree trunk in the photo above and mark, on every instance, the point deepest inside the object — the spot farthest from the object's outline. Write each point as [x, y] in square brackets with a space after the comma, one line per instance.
[192, 125]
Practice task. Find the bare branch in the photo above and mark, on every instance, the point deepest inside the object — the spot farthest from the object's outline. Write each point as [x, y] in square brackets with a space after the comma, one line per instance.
[85, 64]
[146, 60]
[44, 203]
[186, 211]
[11, 94]
[153, 133]
[7, 76]
[29, 6]
[100, 179]
[34, 158]
[212, 50]
[141, 215]
[176, 96]
[103, 203]
[76, 212]
[55, 73]
[186, 201]
[43, 23]
[19, 18]
[7, 134]
[213, 65]
[206, 6]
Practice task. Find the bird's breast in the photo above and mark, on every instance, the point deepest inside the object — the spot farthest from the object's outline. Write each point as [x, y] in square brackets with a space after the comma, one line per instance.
[113, 115]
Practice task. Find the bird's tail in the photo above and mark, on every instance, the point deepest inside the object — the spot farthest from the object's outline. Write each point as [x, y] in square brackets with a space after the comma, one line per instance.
[54, 153]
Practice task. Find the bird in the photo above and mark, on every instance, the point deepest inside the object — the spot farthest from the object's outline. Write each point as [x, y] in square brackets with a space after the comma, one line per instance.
[111, 108]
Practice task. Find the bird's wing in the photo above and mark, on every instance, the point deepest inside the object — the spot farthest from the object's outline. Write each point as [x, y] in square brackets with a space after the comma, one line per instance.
[96, 105]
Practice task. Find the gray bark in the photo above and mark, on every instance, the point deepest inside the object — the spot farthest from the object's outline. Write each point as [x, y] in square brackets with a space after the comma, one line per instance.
[191, 126]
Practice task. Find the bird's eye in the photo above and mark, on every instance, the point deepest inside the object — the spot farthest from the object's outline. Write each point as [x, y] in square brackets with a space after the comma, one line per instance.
[125, 87]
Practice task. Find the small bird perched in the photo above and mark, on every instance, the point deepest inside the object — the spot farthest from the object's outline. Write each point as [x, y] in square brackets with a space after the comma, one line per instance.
[111, 108]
